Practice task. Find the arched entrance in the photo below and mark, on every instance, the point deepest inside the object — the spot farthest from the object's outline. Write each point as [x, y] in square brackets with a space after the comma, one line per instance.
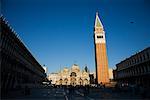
[65, 81]
[80, 81]
[85, 81]
[60, 82]
[73, 79]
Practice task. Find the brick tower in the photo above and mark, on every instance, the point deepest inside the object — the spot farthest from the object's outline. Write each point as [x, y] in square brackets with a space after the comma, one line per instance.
[100, 52]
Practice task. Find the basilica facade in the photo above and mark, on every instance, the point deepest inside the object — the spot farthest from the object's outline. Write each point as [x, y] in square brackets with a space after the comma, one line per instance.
[70, 76]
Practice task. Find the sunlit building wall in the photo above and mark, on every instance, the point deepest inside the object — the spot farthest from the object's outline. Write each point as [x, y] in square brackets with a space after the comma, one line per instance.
[73, 76]
[110, 73]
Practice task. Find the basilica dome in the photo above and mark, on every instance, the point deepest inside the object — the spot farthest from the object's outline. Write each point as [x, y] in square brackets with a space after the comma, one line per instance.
[75, 68]
[65, 70]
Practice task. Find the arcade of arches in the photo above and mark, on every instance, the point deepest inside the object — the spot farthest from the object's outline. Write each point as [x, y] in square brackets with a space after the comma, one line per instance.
[73, 76]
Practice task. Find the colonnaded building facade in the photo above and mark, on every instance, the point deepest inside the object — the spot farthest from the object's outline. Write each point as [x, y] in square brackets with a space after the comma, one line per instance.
[18, 66]
[135, 69]
[73, 76]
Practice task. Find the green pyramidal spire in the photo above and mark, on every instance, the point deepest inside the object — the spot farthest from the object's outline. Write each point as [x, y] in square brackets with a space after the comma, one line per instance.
[97, 21]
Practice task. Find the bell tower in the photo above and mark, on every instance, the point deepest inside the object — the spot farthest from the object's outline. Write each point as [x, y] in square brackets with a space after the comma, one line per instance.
[100, 52]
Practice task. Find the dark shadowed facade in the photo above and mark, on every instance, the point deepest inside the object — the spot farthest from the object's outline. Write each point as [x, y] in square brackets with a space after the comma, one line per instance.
[135, 69]
[18, 66]
[92, 79]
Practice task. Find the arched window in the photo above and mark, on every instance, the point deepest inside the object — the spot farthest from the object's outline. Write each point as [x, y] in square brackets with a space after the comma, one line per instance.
[147, 55]
[140, 58]
[143, 56]
[73, 74]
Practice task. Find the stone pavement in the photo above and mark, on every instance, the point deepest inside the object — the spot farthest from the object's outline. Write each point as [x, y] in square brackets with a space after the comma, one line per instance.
[51, 93]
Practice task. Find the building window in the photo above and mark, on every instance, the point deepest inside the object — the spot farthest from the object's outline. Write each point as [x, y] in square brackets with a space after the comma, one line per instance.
[147, 55]
[140, 58]
[137, 72]
[148, 67]
[144, 67]
[144, 56]
[135, 60]
[132, 61]
[99, 36]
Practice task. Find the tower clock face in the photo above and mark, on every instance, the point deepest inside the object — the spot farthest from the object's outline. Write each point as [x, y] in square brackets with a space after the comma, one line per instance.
[99, 38]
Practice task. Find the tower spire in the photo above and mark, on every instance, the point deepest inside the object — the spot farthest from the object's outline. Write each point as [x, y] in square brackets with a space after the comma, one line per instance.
[97, 21]
[97, 13]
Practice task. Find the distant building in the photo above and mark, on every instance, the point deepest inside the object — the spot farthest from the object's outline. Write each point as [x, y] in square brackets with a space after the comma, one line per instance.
[92, 76]
[18, 66]
[45, 69]
[110, 73]
[53, 77]
[73, 76]
[135, 69]
[92, 79]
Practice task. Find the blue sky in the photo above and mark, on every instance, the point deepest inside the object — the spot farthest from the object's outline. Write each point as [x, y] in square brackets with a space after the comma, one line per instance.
[60, 32]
